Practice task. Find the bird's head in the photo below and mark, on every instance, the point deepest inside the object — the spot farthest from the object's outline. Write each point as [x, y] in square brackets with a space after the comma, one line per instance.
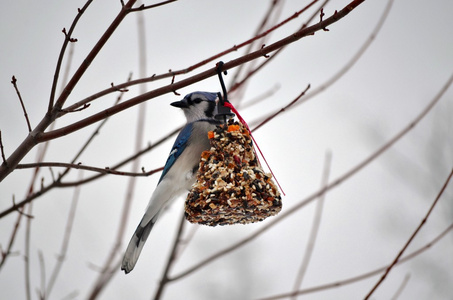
[197, 105]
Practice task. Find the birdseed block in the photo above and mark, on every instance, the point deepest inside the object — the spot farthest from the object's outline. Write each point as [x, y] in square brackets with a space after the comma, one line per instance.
[231, 186]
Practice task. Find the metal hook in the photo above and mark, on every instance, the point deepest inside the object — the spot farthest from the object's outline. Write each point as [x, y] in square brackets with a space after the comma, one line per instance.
[222, 112]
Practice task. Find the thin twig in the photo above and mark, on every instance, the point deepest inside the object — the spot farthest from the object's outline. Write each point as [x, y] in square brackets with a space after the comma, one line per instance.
[107, 275]
[436, 200]
[364, 276]
[282, 109]
[14, 82]
[320, 192]
[171, 259]
[66, 238]
[88, 168]
[315, 227]
[6, 252]
[42, 291]
[401, 287]
[27, 253]
[144, 7]
[1, 149]
[184, 242]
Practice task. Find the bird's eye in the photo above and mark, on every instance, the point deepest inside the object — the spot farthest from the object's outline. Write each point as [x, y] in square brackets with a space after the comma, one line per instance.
[197, 100]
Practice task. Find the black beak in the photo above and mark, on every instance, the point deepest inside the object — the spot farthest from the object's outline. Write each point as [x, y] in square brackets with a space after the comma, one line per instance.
[181, 104]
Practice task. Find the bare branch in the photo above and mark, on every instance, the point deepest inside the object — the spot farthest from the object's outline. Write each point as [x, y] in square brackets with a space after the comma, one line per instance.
[412, 236]
[79, 166]
[2, 150]
[14, 82]
[144, 7]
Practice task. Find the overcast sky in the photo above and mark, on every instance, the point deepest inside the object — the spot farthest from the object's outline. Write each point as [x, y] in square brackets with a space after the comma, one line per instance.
[366, 220]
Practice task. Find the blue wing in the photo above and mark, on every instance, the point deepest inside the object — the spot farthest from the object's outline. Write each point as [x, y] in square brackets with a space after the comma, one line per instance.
[180, 144]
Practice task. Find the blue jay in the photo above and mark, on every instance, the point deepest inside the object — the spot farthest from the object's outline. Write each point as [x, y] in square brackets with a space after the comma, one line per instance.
[180, 169]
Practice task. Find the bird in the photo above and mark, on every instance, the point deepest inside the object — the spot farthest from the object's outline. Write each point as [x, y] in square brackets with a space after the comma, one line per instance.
[179, 172]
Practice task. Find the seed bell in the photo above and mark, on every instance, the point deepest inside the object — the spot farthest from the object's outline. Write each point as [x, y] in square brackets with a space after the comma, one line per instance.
[231, 186]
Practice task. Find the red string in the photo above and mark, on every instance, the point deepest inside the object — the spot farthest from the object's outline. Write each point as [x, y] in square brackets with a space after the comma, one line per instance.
[228, 104]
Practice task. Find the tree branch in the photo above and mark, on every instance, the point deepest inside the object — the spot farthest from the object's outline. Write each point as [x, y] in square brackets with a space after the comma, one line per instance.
[199, 77]
[79, 166]
[32, 139]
